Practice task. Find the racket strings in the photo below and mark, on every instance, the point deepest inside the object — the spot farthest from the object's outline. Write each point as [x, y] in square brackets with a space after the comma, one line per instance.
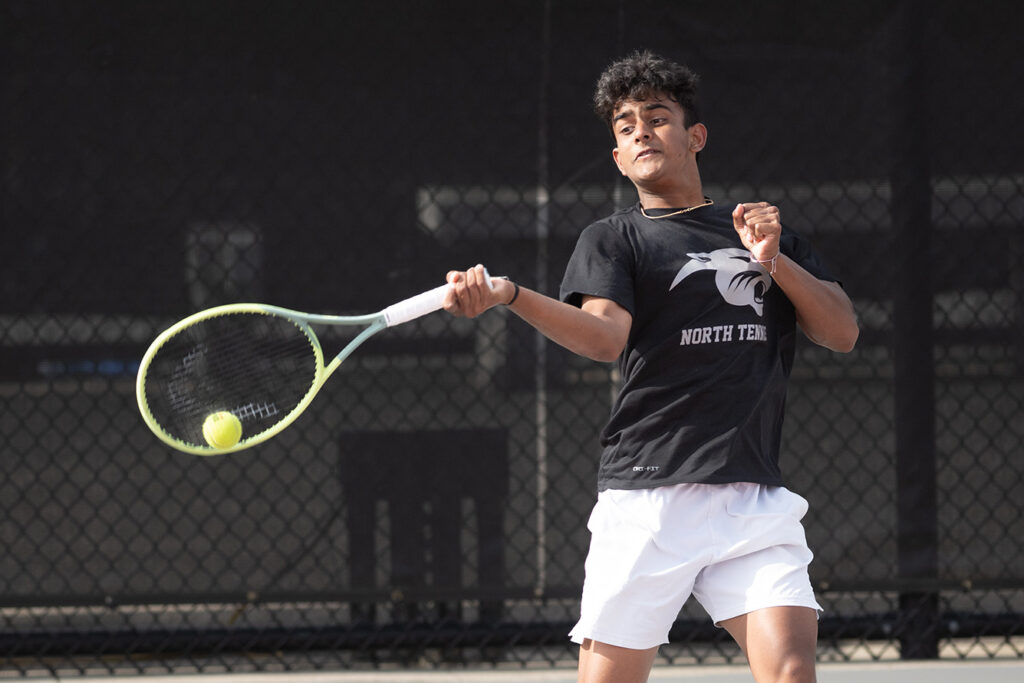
[257, 366]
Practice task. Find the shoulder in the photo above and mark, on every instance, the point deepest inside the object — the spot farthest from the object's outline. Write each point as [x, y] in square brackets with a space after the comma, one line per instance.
[620, 221]
[617, 229]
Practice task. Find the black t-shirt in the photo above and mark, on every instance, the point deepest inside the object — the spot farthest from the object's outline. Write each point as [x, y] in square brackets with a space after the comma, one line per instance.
[705, 367]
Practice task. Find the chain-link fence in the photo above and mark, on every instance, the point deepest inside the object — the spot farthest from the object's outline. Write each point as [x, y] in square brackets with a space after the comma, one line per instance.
[430, 507]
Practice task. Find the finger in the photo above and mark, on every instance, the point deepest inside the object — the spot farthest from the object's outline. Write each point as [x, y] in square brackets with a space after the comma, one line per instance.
[769, 218]
[744, 221]
[737, 217]
[763, 214]
[474, 280]
[486, 282]
[451, 302]
[472, 295]
[761, 229]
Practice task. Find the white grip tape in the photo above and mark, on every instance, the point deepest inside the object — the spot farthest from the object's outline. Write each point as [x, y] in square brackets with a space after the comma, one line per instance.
[415, 306]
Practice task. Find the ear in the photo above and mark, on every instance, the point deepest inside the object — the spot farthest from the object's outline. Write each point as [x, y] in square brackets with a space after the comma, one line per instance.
[698, 134]
[615, 156]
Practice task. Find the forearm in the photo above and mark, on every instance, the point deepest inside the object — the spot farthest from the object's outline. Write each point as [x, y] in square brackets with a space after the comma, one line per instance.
[823, 310]
[597, 331]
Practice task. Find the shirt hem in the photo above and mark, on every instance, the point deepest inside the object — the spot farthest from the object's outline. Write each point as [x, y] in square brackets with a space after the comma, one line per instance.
[634, 484]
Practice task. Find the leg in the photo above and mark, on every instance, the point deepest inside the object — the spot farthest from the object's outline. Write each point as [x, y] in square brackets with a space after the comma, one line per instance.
[637, 578]
[779, 643]
[603, 663]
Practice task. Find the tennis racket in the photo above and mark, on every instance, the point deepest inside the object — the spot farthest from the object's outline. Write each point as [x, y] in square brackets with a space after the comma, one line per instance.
[261, 364]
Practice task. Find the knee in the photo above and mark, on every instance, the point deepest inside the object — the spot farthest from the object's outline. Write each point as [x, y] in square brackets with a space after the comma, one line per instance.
[795, 668]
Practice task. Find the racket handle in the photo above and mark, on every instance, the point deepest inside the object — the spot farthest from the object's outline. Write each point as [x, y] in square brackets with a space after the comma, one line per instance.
[421, 304]
[415, 306]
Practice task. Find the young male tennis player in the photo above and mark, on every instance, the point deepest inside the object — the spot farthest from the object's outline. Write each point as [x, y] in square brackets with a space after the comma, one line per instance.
[699, 303]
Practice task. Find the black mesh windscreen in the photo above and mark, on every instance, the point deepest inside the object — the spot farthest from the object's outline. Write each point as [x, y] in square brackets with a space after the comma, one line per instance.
[430, 506]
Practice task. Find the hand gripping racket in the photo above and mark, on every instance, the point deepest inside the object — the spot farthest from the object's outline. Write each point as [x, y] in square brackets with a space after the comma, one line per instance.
[262, 364]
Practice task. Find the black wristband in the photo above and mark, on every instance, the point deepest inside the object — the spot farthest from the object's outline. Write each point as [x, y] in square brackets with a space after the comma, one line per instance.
[515, 295]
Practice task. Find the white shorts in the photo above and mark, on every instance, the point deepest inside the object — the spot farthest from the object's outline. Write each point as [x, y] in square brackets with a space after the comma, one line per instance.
[735, 547]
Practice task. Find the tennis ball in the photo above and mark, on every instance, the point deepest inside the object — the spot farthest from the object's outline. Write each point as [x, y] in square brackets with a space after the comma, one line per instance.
[222, 430]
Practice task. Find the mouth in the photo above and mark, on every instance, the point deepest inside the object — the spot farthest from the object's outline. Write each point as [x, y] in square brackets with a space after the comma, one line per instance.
[644, 154]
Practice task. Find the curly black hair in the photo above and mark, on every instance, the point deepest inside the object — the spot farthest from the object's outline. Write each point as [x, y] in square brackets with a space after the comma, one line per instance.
[641, 76]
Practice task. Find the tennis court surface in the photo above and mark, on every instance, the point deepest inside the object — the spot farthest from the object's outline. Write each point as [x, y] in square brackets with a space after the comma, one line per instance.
[875, 672]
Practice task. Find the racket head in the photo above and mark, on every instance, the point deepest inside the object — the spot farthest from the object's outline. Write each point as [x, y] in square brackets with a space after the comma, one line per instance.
[261, 363]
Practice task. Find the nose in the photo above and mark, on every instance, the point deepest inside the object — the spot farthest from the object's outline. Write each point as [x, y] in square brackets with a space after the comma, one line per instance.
[642, 133]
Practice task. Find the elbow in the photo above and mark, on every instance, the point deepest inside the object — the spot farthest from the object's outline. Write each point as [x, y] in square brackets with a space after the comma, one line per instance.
[844, 343]
[606, 352]
[836, 332]
[604, 331]
[845, 347]
[838, 340]
[604, 357]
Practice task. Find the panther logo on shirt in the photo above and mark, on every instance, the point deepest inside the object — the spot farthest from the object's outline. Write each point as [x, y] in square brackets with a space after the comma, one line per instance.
[740, 281]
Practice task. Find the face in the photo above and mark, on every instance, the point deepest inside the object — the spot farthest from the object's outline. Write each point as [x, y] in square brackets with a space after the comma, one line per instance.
[653, 146]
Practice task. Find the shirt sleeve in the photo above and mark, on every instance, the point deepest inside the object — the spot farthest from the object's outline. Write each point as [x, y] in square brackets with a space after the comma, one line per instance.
[800, 250]
[601, 265]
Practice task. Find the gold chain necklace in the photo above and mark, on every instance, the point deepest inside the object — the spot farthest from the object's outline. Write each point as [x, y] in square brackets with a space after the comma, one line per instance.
[707, 202]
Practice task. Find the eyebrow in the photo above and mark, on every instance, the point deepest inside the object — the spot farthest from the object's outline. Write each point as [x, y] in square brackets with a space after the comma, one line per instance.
[647, 107]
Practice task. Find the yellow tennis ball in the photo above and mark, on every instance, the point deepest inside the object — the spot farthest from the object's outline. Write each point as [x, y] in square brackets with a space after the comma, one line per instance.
[222, 430]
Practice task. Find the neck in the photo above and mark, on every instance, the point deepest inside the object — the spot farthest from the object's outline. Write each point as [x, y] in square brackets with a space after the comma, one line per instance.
[678, 197]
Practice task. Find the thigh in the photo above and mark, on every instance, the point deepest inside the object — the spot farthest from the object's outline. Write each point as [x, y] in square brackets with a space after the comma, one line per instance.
[604, 663]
